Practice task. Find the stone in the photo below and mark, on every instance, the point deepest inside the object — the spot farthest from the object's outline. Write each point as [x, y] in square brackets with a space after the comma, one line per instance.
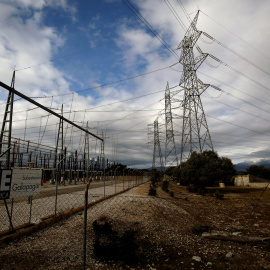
[197, 258]
[236, 233]
[229, 254]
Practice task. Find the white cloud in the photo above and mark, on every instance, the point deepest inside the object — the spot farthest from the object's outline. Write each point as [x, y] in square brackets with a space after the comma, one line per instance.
[26, 41]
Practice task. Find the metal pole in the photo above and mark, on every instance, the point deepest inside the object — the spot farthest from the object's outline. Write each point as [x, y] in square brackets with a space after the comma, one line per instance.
[30, 200]
[46, 109]
[104, 176]
[56, 191]
[85, 223]
[9, 217]
[123, 178]
[115, 180]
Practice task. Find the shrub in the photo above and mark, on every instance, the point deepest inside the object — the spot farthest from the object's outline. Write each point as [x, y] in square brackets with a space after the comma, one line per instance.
[111, 245]
[199, 229]
[152, 191]
[201, 191]
[165, 185]
[219, 196]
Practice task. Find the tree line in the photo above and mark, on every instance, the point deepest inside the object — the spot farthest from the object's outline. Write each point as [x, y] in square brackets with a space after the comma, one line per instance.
[208, 169]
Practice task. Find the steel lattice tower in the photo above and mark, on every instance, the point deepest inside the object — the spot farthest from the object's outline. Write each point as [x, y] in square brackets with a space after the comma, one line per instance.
[5, 136]
[157, 154]
[195, 132]
[170, 148]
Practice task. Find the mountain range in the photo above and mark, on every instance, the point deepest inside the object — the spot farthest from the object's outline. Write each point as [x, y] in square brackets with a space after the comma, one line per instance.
[244, 165]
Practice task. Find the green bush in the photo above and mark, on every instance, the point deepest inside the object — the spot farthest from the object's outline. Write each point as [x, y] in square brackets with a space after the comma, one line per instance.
[165, 185]
[152, 191]
[205, 169]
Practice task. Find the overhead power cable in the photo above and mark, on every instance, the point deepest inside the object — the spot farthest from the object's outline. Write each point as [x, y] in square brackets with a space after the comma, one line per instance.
[239, 109]
[241, 99]
[149, 27]
[235, 53]
[239, 72]
[108, 104]
[55, 58]
[107, 84]
[234, 88]
[167, 2]
[237, 125]
[264, 55]
[129, 99]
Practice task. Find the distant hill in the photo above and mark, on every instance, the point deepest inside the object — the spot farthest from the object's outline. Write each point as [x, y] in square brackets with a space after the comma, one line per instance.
[245, 165]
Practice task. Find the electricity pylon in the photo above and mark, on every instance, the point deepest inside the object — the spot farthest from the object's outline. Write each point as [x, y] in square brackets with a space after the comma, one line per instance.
[170, 148]
[195, 132]
[157, 154]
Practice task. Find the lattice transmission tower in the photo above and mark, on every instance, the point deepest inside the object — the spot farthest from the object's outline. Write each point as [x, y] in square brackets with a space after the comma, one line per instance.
[170, 148]
[195, 132]
[157, 153]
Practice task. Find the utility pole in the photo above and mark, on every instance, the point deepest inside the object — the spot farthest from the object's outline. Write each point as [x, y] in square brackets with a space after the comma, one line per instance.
[170, 148]
[195, 132]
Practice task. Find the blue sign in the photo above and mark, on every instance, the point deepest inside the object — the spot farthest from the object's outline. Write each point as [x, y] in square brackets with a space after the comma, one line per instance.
[5, 183]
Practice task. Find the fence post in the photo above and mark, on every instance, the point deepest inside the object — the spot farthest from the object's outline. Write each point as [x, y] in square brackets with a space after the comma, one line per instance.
[85, 223]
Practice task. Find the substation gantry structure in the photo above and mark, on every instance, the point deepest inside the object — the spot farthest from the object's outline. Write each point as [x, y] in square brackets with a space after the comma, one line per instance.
[6, 131]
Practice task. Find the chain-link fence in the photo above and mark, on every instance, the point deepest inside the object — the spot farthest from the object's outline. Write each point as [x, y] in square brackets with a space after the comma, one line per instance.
[57, 198]
[127, 229]
[135, 230]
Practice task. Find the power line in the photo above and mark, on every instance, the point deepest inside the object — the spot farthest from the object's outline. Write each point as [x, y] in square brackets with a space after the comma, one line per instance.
[110, 83]
[238, 125]
[234, 88]
[264, 55]
[240, 109]
[235, 53]
[149, 27]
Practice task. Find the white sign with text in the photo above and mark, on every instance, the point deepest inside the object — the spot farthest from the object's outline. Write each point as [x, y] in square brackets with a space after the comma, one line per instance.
[25, 182]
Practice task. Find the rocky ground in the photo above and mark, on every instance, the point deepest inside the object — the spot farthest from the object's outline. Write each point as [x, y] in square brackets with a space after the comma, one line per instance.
[165, 232]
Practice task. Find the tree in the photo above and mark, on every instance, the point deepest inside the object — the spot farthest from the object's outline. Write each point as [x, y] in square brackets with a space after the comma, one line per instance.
[169, 171]
[155, 176]
[206, 169]
[259, 171]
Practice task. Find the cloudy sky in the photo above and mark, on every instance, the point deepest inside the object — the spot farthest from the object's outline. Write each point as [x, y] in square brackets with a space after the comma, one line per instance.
[108, 69]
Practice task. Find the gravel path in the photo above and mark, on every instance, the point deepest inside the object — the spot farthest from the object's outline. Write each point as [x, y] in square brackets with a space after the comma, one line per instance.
[164, 234]
[44, 204]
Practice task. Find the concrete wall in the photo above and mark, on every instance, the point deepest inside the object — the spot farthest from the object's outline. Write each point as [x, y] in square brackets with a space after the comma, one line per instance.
[241, 180]
[259, 185]
[250, 181]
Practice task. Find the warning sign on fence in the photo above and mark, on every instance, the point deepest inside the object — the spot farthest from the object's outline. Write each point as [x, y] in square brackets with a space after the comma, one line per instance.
[25, 182]
[5, 180]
